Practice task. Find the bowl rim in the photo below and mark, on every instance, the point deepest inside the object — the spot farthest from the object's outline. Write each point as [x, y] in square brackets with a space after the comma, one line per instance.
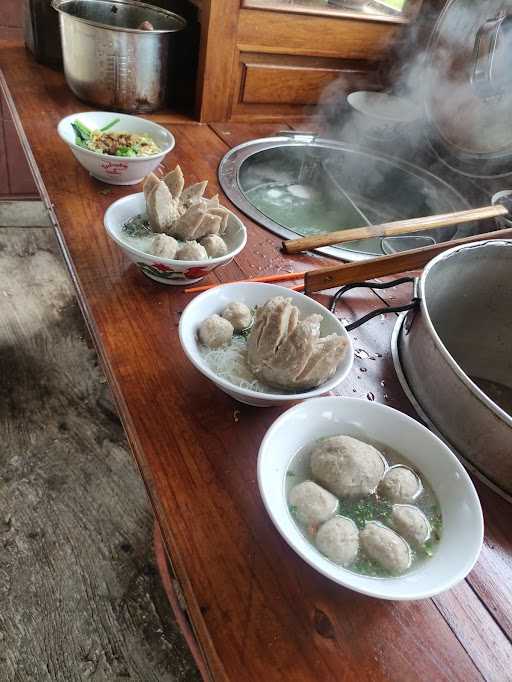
[344, 574]
[187, 264]
[57, 5]
[247, 392]
[353, 97]
[170, 144]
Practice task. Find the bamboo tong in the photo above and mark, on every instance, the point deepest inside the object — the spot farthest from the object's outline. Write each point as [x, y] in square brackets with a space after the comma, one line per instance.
[320, 279]
[394, 229]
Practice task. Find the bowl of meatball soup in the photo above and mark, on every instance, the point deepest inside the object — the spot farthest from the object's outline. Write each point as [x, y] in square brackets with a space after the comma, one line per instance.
[370, 498]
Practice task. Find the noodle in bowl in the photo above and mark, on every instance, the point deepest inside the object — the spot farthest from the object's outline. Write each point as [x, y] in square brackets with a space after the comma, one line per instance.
[226, 367]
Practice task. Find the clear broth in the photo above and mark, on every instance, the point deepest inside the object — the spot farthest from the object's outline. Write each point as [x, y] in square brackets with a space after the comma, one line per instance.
[371, 507]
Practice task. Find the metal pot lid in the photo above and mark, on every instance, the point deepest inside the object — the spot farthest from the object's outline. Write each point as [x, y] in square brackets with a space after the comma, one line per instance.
[299, 184]
[469, 92]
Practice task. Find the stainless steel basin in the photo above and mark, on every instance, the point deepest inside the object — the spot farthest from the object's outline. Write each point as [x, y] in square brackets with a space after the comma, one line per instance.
[298, 184]
[453, 355]
[109, 60]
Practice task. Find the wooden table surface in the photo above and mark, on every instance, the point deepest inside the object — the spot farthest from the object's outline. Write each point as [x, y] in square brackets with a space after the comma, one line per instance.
[257, 610]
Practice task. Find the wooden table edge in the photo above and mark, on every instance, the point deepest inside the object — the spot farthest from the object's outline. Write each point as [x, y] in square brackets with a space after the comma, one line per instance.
[213, 661]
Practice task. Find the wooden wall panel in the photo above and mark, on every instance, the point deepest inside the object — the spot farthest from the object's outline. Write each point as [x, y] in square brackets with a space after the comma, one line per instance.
[11, 13]
[217, 59]
[261, 31]
[11, 19]
[282, 84]
[16, 180]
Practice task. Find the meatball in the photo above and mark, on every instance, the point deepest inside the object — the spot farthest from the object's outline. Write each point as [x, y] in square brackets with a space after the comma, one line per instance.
[215, 246]
[410, 522]
[215, 332]
[400, 484]
[192, 251]
[164, 246]
[347, 466]
[313, 504]
[238, 314]
[385, 547]
[338, 539]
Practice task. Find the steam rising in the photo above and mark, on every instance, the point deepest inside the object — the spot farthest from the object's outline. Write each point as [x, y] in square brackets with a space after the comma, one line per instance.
[461, 114]
[457, 139]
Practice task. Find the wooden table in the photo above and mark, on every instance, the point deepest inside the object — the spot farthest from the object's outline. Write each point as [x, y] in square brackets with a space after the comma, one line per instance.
[258, 612]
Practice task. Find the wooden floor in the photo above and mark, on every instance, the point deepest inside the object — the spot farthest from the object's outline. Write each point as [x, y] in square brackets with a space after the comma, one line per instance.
[79, 593]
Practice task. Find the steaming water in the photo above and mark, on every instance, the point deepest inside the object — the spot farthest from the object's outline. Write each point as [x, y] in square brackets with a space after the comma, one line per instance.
[305, 188]
[303, 209]
[306, 210]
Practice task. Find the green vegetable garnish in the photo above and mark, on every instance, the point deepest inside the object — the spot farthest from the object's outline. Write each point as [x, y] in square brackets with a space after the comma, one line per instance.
[125, 151]
[138, 226]
[369, 509]
[83, 134]
[110, 125]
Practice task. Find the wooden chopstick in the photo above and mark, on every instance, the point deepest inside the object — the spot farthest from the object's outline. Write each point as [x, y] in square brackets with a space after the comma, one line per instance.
[327, 278]
[393, 229]
[284, 277]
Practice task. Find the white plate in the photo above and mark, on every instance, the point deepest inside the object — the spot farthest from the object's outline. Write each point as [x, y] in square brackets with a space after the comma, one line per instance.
[117, 170]
[253, 294]
[462, 532]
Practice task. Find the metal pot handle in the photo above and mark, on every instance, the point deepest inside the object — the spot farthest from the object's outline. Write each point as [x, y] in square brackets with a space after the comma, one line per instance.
[483, 56]
[415, 299]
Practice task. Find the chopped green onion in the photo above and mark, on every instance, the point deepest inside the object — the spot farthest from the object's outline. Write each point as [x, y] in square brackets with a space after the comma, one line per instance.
[110, 125]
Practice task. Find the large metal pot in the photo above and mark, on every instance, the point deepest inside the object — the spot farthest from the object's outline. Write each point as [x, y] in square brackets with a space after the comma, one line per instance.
[468, 86]
[352, 183]
[454, 354]
[108, 60]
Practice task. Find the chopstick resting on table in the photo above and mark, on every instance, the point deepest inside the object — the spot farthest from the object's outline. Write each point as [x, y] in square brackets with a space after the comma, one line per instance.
[268, 279]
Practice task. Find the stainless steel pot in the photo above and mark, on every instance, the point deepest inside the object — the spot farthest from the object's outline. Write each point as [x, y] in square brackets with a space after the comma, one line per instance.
[453, 353]
[108, 60]
[468, 86]
[349, 179]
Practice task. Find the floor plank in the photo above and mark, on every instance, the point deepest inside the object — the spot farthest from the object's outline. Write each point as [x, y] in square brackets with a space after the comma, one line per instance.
[80, 595]
[23, 214]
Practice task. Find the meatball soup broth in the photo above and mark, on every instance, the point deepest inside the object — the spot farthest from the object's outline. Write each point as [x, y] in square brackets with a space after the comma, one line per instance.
[370, 498]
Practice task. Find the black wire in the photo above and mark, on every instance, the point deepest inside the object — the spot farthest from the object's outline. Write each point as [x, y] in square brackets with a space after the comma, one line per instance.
[373, 285]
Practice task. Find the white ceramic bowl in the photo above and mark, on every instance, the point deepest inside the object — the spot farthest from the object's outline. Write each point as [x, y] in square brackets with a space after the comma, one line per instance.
[116, 170]
[378, 114]
[252, 294]
[167, 270]
[462, 532]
